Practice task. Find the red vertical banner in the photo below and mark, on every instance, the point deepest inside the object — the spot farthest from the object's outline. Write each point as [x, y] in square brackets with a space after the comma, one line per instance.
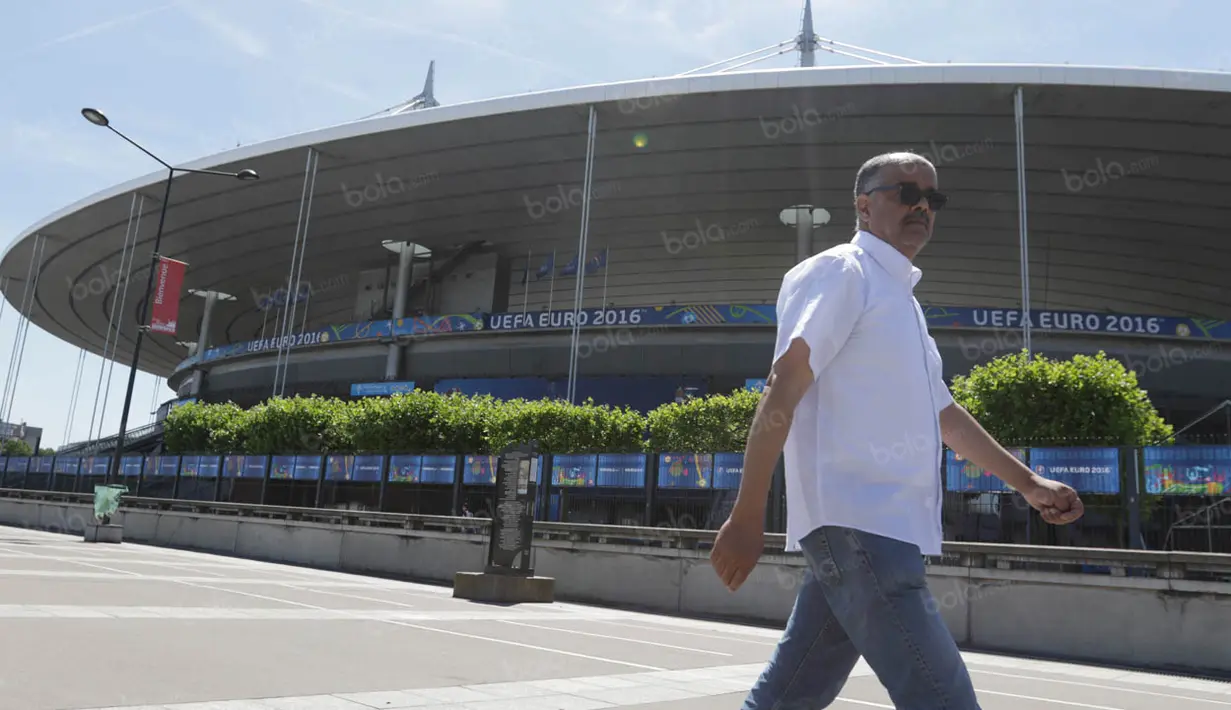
[167, 287]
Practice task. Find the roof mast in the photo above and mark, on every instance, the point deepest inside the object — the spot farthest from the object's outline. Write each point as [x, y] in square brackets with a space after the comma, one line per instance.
[806, 43]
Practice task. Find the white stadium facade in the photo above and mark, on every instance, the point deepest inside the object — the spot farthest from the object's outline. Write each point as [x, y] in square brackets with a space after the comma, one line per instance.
[439, 245]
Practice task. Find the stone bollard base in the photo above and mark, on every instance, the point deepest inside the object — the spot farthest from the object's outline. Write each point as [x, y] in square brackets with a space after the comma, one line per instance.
[104, 533]
[503, 588]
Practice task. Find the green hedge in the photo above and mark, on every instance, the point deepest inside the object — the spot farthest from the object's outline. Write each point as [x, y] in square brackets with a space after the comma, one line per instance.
[1091, 400]
[418, 422]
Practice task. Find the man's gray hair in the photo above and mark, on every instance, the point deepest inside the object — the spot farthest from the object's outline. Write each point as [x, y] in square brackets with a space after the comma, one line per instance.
[866, 178]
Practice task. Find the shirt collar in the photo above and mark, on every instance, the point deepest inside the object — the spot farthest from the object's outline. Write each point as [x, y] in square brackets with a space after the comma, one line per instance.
[889, 258]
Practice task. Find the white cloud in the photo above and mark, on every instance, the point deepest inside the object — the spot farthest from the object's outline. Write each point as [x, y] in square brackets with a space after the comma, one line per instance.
[234, 35]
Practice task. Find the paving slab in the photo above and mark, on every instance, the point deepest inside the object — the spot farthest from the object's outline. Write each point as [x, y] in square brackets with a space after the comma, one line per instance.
[130, 627]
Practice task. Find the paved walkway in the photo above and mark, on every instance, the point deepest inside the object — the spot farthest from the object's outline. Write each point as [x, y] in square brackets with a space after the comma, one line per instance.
[98, 626]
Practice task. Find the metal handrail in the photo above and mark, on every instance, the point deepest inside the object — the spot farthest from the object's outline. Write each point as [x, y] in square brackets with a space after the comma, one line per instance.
[96, 444]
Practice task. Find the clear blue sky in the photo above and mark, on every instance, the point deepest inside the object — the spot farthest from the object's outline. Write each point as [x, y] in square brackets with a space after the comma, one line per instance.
[195, 77]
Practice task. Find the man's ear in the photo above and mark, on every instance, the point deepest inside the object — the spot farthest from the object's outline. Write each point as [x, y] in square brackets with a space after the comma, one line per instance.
[862, 208]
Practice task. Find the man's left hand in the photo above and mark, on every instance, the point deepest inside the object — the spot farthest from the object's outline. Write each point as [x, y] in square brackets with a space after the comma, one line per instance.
[1057, 503]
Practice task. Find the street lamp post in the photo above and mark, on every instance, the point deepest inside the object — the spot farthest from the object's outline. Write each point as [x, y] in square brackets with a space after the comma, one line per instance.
[97, 118]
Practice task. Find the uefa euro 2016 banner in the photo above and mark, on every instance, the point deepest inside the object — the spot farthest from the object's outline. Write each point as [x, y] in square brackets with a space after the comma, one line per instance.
[1169, 470]
[729, 315]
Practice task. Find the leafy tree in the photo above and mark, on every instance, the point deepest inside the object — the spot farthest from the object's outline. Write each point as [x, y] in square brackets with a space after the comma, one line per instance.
[714, 424]
[1085, 401]
[46, 452]
[16, 447]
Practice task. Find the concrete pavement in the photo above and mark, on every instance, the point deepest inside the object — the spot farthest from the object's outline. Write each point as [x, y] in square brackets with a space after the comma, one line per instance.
[129, 626]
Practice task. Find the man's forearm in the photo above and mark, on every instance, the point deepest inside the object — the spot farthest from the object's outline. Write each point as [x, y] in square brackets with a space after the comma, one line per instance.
[766, 437]
[963, 433]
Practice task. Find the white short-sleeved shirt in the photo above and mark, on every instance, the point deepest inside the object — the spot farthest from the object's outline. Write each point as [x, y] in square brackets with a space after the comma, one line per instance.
[864, 449]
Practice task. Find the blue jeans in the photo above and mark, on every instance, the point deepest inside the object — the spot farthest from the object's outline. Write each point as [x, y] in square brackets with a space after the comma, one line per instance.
[863, 595]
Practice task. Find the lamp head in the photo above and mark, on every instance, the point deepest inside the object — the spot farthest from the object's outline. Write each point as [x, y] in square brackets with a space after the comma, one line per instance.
[247, 174]
[95, 116]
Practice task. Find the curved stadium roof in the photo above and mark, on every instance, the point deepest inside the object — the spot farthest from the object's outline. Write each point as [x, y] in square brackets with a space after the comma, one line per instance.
[1153, 242]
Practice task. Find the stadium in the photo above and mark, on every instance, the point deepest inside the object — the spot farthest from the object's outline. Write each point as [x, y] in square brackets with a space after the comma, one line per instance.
[625, 241]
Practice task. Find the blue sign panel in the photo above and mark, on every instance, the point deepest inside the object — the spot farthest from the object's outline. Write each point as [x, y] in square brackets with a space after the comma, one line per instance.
[1188, 470]
[17, 464]
[743, 315]
[95, 465]
[621, 470]
[281, 468]
[705, 315]
[728, 471]
[963, 475]
[188, 466]
[685, 470]
[1077, 322]
[209, 466]
[236, 466]
[168, 465]
[1086, 470]
[130, 466]
[755, 385]
[574, 470]
[438, 469]
[405, 468]
[67, 465]
[307, 468]
[380, 389]
[360, 469]
[44, 464]
[479, 471]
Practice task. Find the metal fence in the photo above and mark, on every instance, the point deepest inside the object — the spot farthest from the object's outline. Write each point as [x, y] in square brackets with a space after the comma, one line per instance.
[1169, 498]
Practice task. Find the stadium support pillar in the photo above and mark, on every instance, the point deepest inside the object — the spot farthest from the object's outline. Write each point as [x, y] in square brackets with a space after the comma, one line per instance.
[211, 298]
[803, 235]
[582, 241]
[406, 253]
[1019, 118]
[287, 327]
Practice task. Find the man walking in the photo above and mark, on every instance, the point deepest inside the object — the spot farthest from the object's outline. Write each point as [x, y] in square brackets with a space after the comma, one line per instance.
[857, 405]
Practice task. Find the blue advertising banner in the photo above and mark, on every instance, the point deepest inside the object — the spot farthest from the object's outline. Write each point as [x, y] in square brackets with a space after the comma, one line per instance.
[755, 385]
[685, 470]
[1188, 470]
[17, 464]
[754, 315]
[704, 315]
[728, 471]
[479, 471]
[360, 469]
[1086, 470]
[45, 464]
[67, 465]
[281, 468]
[131, 466]
[963, 476]
[574, 470]
[404, 468]
[1077, 322]
[380, 389]
[95, 465]
[438, 469]
[188, 466]
[621, 471]
[307, 467]
[238, 466]
[209, 466]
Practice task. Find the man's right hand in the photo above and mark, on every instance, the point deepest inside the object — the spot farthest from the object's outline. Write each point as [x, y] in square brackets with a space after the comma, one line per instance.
[737, 549]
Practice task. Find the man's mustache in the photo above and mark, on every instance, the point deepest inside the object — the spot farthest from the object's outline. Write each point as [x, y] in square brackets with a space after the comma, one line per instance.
[917, 218]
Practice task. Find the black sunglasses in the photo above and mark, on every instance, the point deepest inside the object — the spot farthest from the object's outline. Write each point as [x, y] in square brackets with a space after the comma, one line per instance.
[909, 194]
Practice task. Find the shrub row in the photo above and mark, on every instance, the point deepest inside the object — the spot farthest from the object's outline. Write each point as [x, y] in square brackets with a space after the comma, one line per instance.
[429, 422]
[1020, 400]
